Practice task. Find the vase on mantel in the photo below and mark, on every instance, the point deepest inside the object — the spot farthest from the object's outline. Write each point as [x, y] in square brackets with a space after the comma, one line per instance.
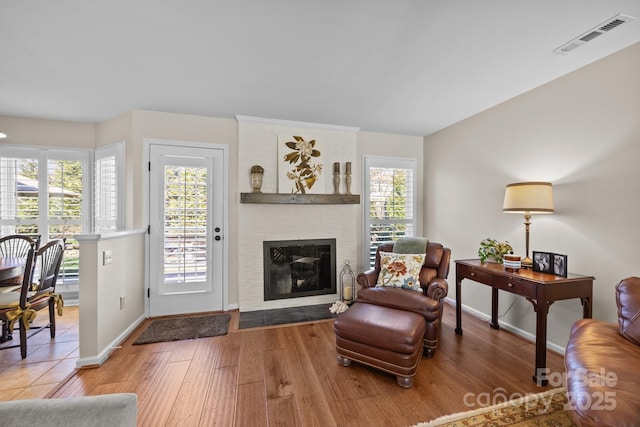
[257, 172]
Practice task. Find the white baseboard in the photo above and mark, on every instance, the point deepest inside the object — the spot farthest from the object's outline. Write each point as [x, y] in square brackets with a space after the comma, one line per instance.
[513, 329]
[233, 307]
[115, 344]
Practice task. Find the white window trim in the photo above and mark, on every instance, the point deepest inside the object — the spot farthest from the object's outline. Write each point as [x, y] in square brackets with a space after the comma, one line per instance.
[384, 162]
[45, 154]
[117, 150]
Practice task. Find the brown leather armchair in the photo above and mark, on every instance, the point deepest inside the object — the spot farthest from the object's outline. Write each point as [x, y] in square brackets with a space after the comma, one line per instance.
[428, 304]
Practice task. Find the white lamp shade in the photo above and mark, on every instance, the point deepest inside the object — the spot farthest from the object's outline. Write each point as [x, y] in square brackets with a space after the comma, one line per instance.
[528, 198]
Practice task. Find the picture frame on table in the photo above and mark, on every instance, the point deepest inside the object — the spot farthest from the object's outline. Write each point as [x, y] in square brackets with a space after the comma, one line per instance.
[543, 262]
[560, 265]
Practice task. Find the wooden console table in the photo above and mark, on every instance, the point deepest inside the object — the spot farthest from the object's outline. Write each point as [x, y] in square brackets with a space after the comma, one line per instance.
[540, 289]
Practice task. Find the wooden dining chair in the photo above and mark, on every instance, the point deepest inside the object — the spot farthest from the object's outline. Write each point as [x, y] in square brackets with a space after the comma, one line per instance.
[42, 292]
[16, 246]
[36, 293]
[11, 309]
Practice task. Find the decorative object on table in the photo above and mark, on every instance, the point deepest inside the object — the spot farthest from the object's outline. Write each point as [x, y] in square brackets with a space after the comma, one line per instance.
[512, 263]
[542, 262]
[548, 262]
[347, 178]
[493, 251]
[257, 172]
[336, 178]
[560, 265]
[347, 283]
[528, 198]
[300, 170]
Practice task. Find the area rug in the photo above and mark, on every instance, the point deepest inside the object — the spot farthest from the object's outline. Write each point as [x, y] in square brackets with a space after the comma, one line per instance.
[184, 328]
[549, 408]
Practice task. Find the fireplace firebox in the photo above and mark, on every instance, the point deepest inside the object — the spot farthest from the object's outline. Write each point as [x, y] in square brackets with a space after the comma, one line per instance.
[299, 268]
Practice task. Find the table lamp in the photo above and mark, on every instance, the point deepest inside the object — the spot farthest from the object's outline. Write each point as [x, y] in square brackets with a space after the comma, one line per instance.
[528, 198]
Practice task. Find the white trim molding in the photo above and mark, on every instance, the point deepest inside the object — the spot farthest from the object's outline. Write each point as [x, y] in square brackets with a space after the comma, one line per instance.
[295, 124]
[506, 326]
[102, 357]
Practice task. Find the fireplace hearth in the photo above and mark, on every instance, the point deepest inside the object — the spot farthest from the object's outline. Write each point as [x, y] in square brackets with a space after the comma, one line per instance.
[299, 268]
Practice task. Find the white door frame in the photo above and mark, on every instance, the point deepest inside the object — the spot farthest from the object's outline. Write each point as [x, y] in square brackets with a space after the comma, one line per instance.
[147, 142]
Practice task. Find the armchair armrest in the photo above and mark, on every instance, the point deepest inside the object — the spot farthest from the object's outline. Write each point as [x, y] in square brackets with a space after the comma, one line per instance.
[437, 289]
[368, 279]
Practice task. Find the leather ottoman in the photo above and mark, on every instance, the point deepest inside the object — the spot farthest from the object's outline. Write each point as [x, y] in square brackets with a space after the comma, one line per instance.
[384, 338]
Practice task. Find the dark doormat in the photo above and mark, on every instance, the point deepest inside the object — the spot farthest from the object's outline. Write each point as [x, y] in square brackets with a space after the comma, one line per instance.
[184, 328]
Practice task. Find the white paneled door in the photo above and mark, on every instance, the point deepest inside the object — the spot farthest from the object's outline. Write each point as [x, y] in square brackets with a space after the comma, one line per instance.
[186, 218]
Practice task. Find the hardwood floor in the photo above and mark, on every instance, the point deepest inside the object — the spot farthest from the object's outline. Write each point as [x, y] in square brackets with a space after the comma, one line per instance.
[289, 376]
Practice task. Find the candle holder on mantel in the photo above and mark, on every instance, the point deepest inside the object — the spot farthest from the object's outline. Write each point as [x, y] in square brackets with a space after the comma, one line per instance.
[257, 172]
[347, 178]
[336, 178]
[347, 283]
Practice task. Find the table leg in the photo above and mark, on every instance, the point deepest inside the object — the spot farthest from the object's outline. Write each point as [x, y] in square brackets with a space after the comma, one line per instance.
[458, 306]
[586, 307]
[540, 374]
[494, 309]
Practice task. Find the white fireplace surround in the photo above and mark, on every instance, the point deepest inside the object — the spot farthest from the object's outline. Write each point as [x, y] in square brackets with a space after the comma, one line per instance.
[258, 140]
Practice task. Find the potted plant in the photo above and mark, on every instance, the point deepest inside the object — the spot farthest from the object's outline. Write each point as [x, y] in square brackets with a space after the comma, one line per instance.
[493, 251]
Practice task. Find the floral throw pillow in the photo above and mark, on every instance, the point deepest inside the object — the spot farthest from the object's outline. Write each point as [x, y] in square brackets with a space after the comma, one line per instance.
[400, 270]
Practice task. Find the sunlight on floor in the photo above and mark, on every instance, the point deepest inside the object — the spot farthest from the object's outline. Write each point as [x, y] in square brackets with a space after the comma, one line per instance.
[48, 363]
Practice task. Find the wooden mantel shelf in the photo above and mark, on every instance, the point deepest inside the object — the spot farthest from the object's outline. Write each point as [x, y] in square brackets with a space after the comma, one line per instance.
[300, 199]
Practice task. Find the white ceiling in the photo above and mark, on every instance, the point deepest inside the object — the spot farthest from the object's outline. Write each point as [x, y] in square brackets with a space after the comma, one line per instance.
[397, 66]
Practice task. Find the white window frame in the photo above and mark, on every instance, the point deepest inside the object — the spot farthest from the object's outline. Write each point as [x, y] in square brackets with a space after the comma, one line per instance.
[391, 163]
[116, 151]
[43, 155]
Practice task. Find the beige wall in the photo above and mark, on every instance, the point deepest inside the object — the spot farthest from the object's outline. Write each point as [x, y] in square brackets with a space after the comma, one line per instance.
[112, 295]
[47, 133]
[582, 133]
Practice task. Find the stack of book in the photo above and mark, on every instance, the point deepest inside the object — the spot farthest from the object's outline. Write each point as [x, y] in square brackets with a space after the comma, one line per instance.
[512, 262]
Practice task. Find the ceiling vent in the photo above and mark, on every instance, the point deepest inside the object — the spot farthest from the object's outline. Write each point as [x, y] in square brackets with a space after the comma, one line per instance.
[595, 32]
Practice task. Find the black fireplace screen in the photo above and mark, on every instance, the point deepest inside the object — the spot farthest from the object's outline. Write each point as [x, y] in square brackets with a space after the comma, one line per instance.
[299, 268]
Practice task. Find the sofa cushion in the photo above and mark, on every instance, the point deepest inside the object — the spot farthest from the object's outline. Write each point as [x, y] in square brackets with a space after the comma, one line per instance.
[402, 299]
[628, 300]
[400, 270]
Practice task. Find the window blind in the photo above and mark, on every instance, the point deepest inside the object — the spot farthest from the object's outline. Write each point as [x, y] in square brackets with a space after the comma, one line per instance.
[390, 195]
